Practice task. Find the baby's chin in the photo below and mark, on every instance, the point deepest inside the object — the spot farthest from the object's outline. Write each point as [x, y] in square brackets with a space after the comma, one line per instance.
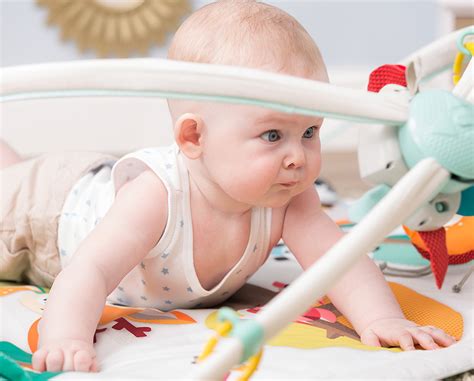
[275, 200]
[282, 200]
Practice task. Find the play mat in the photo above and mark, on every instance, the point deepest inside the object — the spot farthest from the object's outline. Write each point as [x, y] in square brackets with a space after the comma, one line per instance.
[144, 343]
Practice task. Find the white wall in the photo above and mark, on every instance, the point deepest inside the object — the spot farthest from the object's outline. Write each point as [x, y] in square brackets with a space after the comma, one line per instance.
[354, 37]
[350, 33]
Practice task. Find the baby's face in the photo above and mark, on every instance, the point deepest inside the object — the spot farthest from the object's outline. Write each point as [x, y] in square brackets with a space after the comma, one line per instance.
[259, 156]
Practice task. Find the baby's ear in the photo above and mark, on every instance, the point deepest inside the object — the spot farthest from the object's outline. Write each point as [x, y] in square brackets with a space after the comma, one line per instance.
[187, 133]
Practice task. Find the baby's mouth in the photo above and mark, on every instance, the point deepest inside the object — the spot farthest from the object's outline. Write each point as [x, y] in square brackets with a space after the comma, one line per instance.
[289, 184]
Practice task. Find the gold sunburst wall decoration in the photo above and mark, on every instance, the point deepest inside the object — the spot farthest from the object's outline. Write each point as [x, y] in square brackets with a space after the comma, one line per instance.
[116, 27]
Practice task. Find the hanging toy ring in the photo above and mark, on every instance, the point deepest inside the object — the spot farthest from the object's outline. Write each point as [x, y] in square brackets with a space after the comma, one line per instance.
[466, 49]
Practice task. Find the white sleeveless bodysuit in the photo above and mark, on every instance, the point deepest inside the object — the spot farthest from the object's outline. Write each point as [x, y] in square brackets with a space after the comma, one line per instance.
[166, 278]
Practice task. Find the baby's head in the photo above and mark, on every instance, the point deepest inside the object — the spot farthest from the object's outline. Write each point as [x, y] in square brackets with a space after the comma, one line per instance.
[238, 33]
[246, 33]
[250, 34]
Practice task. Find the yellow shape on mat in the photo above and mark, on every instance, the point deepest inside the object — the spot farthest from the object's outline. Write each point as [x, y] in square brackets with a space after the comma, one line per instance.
[416, 307]
[7, 288]
[308, 337]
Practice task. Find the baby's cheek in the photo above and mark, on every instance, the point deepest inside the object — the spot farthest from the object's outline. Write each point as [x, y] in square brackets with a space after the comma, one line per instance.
[314, 167]
[237, 183]
[252, 182]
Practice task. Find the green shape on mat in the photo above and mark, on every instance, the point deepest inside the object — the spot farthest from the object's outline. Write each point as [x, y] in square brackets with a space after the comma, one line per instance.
[399, 253]
[17, 354]
[10, 369]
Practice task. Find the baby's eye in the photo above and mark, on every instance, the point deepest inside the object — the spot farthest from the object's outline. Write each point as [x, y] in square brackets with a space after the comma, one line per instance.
[271, 136]
[308, 134]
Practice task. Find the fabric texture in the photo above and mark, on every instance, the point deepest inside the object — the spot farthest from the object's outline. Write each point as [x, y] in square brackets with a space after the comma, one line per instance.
[32, 195]
[166, 278]
[141, 343]
[385, 75]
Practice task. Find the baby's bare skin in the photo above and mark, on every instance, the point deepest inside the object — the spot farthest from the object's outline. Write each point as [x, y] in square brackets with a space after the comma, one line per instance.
[284, 176]
[238, 157]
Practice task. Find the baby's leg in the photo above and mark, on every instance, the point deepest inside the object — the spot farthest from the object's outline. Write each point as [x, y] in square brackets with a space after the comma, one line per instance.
[7, 155]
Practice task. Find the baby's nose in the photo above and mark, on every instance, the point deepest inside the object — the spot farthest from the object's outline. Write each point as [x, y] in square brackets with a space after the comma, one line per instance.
[295, 158]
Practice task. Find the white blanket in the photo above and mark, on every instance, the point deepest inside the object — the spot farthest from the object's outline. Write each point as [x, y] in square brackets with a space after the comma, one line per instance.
[168, 350]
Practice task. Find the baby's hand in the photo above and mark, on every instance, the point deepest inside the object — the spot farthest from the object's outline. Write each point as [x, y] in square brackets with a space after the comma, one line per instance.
[65, 355]
[405, 334]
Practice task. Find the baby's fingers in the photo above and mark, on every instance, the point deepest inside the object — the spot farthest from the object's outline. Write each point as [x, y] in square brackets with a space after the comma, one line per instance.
[369, 337]
[84, 362]
[55, 360]
[424, 339]
[39, 360]
[405, 341]
[439, 336]
[68, 363]
[94, 367]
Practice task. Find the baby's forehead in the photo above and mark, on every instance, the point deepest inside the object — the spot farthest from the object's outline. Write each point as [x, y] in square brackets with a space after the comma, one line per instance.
[276, 117]
[251, 115]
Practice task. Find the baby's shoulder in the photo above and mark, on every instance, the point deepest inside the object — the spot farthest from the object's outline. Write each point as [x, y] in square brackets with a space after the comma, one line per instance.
[149, 179]
[144, 196]
[146, 187]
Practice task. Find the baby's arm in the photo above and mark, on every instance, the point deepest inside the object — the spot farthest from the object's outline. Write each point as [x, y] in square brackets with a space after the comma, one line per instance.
[362, 295]
[129, 230]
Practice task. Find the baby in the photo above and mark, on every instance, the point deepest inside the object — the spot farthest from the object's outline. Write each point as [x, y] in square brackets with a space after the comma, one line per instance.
[185, 226]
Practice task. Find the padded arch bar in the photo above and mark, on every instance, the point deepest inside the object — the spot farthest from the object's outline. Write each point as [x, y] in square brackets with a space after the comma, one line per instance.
[175, 79]
[434, 57]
